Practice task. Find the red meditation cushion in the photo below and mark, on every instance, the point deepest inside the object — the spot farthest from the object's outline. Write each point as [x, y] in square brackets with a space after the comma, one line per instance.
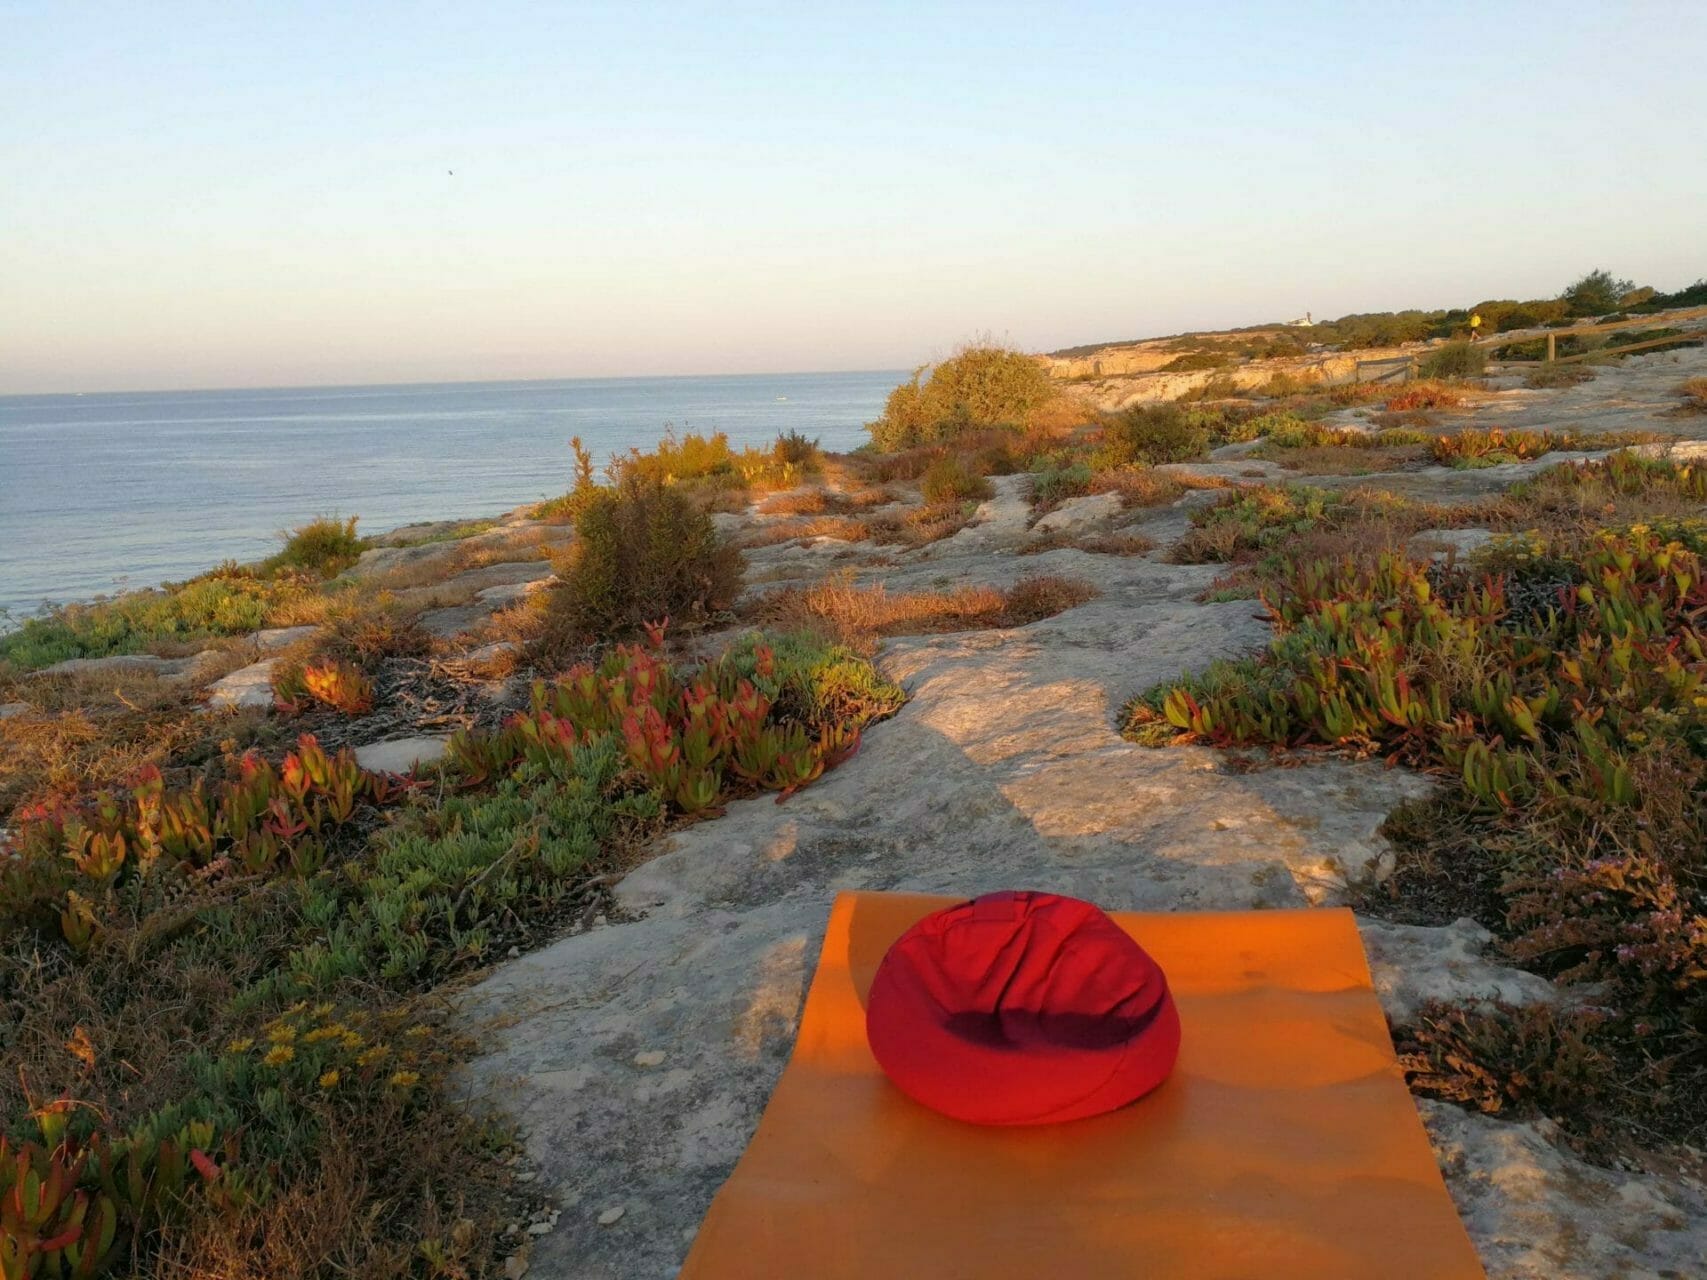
[1021, 1008]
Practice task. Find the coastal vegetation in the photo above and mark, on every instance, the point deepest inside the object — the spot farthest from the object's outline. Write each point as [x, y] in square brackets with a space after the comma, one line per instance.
[981, 387]
[227, 947]
[213, 992]
[1595, 293]
[643, 551]
[230, 600]
[1556, 685]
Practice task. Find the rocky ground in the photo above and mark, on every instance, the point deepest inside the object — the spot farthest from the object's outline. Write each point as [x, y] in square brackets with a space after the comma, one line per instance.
[638, 1054]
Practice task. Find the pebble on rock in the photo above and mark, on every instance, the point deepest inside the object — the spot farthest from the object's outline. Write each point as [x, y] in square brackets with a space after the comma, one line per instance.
[651, 1058]
[611, 1215]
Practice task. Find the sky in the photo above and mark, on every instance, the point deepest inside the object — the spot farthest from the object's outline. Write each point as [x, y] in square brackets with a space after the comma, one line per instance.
[241, 194]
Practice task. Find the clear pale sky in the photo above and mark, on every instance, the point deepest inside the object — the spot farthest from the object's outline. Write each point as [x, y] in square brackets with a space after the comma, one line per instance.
[237, 194]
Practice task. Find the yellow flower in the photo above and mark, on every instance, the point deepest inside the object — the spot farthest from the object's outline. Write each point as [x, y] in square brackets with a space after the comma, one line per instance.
[281, 1033]
[278, 1055]
[351, 1040]
[419, 1031]
[296, 1008]
[371, 1056]
[241, 1046]
[328, 1080]
[323, 1010]
[329, 1032]
[405, 1079]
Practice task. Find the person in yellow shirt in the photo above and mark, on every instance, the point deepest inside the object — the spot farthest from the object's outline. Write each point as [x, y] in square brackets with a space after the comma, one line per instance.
[1475, 325]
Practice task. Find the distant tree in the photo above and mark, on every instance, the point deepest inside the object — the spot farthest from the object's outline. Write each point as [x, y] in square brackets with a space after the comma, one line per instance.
[1596, 293]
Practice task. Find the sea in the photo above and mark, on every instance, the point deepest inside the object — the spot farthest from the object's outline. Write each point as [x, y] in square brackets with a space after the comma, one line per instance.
[111, 492]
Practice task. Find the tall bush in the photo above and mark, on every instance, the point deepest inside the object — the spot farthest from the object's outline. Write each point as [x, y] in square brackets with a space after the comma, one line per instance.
[980, 387]
[643, 550]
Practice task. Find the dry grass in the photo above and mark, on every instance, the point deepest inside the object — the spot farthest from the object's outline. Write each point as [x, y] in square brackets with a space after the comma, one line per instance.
[840, 528]
[918, 526]
[1694, 393]
[860, 615]
[1548, 376]
[1426, 394]
[1329, 460]
[824, 501]
[1402, 420]
[1102, 544]
[97, 730]
[528, 545]
[1144, 487]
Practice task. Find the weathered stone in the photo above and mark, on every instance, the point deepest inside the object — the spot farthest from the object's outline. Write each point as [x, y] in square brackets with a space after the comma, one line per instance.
[381, 560]
[510, 593]
[276, 638]
[1029, 785]
[1002, 522]
[1080, 515]
[10, 709]
[455, 620]
[400, 755]
[1536, 1212]
[125, 663]
[1441, 543]
[1412, 964]
[246, 688]
[487, 653]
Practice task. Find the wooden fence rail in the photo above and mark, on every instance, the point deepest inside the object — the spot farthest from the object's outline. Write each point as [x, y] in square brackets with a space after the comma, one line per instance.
[1663, 319]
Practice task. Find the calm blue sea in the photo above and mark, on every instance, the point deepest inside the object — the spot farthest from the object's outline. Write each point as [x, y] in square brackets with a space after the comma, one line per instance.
[100, 493]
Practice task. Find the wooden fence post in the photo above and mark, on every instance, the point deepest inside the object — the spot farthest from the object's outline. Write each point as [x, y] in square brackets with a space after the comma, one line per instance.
[1551, 338]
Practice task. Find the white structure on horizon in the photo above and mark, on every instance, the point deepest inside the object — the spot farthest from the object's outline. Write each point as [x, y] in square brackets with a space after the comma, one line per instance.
[1305, 323]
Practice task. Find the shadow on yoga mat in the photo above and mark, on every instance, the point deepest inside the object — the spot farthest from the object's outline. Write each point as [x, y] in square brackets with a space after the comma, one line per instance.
[1285, 1144]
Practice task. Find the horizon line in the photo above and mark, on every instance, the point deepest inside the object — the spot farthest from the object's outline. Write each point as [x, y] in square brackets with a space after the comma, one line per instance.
[438, 382]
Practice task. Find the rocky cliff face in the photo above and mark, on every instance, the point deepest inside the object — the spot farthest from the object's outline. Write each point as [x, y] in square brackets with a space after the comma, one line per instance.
[1119, 377]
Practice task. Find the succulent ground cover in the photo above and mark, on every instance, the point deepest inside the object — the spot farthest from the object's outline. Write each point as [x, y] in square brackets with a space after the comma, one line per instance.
[216, 994]
[1556, 685]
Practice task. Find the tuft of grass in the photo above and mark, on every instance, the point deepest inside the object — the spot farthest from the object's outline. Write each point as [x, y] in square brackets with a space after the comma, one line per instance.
[1694, 393]
[949, 481]
[860, 615]
[1548, 376]
[324, 547]
[1260, 520]
[1454, 360]
[1425, 395]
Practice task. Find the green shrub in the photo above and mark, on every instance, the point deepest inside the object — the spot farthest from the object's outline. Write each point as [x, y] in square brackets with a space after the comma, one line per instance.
[792, 449]
[1196, 360]
[1595, 294]
[1153, 434]
[949, 481]
[1056, 483]
[642, 551]
[979, 388]
[1454, 360]
[325, 546]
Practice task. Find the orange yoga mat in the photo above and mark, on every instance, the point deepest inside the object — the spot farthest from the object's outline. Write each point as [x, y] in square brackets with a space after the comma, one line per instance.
[1284, 1145]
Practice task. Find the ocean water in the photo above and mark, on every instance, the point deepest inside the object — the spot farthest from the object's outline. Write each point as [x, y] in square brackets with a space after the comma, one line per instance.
[101, 493]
